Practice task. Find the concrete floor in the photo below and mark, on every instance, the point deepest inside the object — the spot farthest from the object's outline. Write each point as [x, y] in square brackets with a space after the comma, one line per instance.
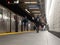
[33, 38]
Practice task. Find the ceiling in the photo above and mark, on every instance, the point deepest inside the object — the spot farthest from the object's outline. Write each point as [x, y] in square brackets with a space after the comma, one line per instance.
[27, 8]
[33, 6]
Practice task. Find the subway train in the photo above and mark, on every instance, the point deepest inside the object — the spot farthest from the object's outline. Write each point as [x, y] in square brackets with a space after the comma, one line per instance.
[7, 21]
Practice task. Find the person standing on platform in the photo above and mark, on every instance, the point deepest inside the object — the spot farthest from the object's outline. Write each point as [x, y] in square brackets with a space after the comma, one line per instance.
[25, 23]
[16, 23]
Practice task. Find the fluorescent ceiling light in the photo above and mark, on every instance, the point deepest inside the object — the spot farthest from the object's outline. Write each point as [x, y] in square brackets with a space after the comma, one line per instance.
[27, 10]
[35, 11]
[16, 1]
[30, 2]
[33, 8]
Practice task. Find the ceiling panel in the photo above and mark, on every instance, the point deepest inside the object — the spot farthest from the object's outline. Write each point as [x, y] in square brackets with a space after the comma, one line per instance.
[33, 6]
[34, 9]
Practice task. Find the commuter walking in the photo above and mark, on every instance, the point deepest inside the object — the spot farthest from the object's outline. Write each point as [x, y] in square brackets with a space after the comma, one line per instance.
[37, 19]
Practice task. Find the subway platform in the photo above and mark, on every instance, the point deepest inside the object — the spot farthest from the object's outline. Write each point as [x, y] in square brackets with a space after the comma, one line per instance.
[30, 38]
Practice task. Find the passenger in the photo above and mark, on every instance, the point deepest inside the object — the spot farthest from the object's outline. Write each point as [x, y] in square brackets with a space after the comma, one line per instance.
[25, 23]
[47, 27]
[34, 27]
[44, 28]
[37, 19]
[16, 23]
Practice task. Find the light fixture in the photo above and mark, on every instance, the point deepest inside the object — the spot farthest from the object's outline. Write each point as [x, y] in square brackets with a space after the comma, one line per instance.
[16, 1]
[13, 2]
[27, 10]
[33, 8]
[35, 11]
[30, 2]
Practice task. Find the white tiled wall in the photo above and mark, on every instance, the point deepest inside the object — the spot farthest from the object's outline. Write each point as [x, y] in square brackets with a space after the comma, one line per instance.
[54, 20]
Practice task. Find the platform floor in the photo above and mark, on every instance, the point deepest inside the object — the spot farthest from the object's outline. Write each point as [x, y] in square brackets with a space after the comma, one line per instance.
[31, 38]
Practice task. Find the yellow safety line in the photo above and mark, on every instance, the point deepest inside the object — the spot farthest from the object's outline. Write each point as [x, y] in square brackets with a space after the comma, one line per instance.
[3, 34]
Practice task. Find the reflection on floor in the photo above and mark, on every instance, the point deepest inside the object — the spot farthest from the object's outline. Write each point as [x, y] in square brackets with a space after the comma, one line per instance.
[33, 38]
